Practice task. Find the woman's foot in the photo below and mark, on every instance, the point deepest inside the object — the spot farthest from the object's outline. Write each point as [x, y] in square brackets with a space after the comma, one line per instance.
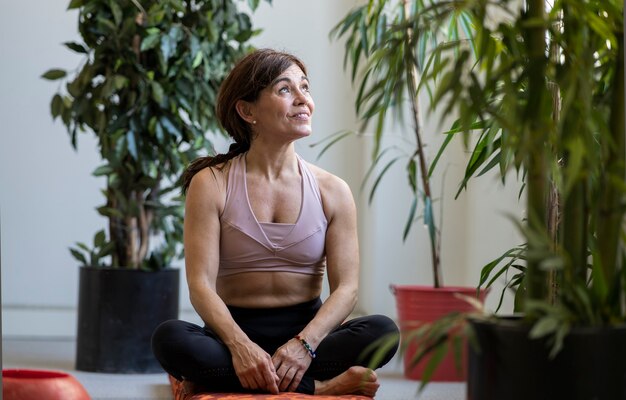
[356, 380]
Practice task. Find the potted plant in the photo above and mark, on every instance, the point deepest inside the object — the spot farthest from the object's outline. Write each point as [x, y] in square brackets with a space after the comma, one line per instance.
[146, 89]
[387, 55]
[545, 96]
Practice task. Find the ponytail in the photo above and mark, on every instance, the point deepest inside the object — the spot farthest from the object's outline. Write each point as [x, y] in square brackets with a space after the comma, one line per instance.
[218, 160]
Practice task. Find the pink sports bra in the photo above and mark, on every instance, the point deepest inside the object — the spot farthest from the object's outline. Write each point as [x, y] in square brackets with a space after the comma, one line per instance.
[246, 245]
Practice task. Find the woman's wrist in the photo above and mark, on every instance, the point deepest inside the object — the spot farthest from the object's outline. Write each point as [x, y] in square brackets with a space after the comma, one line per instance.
[307, 346]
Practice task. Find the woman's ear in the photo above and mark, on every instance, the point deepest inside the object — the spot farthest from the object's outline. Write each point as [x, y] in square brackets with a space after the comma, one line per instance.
[244, 109]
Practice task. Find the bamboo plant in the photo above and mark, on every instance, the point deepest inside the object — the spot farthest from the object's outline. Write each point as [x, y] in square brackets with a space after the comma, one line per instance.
[386, 55]
[546, 96]
[146, 88]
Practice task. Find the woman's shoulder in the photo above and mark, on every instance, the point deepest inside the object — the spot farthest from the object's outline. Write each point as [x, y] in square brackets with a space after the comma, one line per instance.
[211, 179]
[330, 185]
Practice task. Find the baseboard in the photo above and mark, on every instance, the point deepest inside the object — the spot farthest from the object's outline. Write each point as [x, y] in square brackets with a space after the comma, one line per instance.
[35, 321]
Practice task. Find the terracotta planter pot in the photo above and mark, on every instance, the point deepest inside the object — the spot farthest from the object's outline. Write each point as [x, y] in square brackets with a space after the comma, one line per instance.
[422, 304]
[26, 384]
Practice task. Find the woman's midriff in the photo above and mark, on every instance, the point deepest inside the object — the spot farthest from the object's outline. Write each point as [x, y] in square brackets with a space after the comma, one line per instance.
[268, 289]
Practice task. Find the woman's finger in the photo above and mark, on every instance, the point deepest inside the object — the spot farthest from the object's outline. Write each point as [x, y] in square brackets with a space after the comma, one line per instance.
[270, 378]
[245, 382]
[296, 381]
[287, 379]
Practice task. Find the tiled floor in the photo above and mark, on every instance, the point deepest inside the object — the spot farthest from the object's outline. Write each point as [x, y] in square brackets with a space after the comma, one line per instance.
[57, 354]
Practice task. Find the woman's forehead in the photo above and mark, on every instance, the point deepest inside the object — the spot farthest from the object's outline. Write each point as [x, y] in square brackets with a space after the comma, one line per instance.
[293, 73]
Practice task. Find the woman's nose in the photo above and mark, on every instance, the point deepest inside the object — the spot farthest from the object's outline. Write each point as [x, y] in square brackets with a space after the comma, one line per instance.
[300, 97]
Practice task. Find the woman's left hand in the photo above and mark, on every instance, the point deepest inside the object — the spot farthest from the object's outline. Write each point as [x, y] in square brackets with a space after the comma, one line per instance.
[291, 361]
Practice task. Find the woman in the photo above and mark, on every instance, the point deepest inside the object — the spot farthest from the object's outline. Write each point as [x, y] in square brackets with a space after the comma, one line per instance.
[261, 226]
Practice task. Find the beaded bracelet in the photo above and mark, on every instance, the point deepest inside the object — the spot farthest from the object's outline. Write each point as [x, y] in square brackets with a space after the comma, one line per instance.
[307, 346]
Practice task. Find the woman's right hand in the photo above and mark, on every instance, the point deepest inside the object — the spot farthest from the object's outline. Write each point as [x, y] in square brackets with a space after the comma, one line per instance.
[254, 367]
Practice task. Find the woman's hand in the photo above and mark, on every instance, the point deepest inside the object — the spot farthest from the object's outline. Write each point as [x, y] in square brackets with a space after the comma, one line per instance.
[291, 361]
[254, 368]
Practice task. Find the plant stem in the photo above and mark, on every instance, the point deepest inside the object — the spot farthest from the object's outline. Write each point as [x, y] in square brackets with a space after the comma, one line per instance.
[117, 234]
[553, 206]
[535, 129]
[412, 79]
[144, 226]
[574, 226]
[611, 211]
[132, 243]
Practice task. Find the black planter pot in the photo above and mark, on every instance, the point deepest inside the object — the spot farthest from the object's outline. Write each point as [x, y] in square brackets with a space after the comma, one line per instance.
[118, 309]
[509, 365]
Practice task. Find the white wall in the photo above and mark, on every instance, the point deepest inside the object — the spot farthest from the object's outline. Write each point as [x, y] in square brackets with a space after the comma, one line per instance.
[48, 196]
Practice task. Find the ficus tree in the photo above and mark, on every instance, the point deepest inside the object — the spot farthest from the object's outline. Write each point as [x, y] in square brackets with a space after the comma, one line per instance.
[146, 88]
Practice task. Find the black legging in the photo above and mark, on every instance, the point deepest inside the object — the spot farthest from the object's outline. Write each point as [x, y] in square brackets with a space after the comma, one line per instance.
[188, 351]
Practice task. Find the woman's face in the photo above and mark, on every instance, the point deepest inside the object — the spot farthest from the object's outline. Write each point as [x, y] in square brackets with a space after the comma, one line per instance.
[285, 107]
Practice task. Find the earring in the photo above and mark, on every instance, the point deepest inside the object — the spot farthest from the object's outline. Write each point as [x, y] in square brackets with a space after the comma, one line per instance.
[254, 122]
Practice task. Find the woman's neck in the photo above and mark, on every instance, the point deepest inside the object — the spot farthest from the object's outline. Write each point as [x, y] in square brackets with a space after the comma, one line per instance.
[271, 162]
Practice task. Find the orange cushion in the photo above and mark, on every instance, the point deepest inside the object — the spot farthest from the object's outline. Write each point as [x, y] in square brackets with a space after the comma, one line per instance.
[181, 392]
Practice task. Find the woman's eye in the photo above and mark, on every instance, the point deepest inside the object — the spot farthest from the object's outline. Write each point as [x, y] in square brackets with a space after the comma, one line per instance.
[283, 90]
[306, 88]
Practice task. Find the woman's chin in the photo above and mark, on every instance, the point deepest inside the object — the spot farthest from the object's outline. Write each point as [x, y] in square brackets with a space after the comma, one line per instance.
[302, 133]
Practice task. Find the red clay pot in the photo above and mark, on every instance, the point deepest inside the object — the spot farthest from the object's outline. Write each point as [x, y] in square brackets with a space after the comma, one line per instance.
[26, 384]
[422, 304]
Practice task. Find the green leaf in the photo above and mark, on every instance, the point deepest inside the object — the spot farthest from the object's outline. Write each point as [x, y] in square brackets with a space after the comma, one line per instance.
[158, 131]
[197, 60]
[54, 74]
[177, 5]
[254, 4]
[79, 256]
[380, 177]
[109, 212]
[83, 246]
[170, 127]
[117, 11]
[410, 219]
[99, 239]
[56, 105]
[113, 84]
[105, 25]
[168, 46]
[379, 349]
[544, 326]
[244, 36]
[103, 170]
[132, 144]
[412, 174]
[576, 153]
[75, 4]
[433, 363]
[77, 47]
[429, 218]
[150, 41]
[334, 139]
[373, 166]
[119, 82]
[158, 94]
[106, 250]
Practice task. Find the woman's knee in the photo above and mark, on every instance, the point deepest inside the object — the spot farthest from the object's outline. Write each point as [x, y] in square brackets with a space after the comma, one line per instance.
[383, 325]
[388, 337]
[166, 334]
[166, 330]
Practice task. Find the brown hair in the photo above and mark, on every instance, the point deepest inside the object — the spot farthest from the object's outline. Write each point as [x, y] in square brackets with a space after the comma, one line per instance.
[248, 78]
